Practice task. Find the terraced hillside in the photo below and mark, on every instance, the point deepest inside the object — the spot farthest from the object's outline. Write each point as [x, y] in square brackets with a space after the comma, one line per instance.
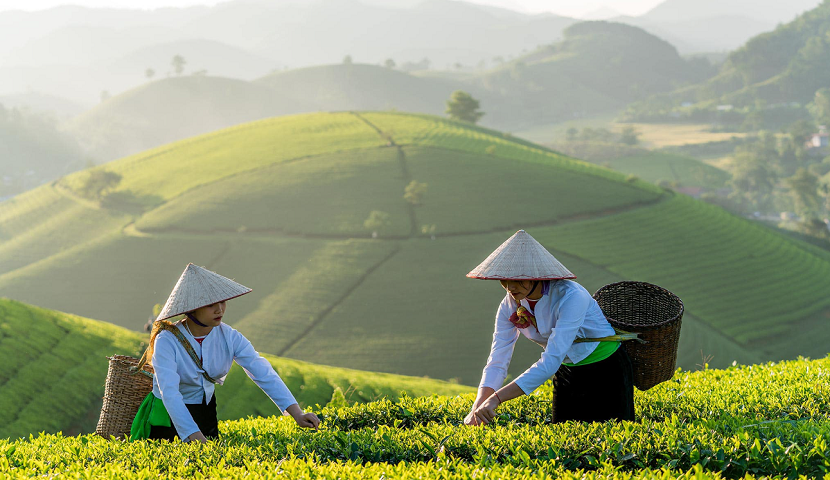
[759, 421]
[281, 205]
[54, 366]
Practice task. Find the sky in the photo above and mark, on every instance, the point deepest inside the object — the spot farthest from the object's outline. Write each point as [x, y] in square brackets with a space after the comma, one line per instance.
[561, 7]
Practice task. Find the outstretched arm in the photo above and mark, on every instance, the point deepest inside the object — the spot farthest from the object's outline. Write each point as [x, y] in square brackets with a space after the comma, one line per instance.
[263, 374]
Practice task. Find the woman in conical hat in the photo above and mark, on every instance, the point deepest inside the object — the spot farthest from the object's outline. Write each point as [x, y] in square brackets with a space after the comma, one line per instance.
[192, 355]
[593, 380]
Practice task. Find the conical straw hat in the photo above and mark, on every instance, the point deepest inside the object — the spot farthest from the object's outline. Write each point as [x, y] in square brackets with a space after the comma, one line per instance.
[521, 257]
[199, 287]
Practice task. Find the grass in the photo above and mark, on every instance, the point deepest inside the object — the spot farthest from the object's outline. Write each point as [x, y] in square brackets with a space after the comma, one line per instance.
[686, 171]
[295, 198]
[760, 421]
[497, 186]
[54, 367]
[279, 205]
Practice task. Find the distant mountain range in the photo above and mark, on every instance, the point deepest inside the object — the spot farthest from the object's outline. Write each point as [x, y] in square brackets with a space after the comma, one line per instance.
[782, 67]
[95, 50]
[564, 80]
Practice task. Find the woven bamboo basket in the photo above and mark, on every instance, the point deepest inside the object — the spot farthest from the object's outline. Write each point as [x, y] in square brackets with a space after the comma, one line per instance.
[123, 393]
[653, 312]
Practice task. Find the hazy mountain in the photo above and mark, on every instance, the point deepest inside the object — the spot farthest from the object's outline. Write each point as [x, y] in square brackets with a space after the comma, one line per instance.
[710, 34]
[174, 108]
[217, 58]
[42, 103]
[602, 13]
[572, 78]
[772, 11]
[786, 65]
[364, 87]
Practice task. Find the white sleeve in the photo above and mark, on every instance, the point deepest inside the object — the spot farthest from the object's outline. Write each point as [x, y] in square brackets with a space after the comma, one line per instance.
[569, 319]
[260, 370]
[167, 377]
[501, 351]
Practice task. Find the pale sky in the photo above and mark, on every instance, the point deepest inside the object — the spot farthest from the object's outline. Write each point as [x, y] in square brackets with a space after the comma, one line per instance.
[561, 7]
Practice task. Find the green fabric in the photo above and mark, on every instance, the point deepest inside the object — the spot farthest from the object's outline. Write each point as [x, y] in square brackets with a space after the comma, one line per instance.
[151, 413]
[603, 351]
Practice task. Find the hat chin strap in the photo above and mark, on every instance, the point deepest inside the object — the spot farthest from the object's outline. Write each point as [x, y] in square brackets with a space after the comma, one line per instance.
[193, 318]
[535, 286]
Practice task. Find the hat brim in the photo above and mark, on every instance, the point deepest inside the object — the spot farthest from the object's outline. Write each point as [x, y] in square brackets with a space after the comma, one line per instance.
[478, 277]
[205, 305]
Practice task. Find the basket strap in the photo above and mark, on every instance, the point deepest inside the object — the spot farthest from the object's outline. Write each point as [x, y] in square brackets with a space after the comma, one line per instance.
[165, 325]
[620, 336]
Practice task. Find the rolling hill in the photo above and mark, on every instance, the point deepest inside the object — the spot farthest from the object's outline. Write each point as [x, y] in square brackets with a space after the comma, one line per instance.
[170, 109]
[363, 87]
[54, 367]
[281, 204]
[570, 79]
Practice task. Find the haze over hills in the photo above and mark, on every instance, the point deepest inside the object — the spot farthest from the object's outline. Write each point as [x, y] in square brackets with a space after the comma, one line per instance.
[555, 83]
[78, 44]
[285, 205]
[171, 109]
[772, 11]
[785, 66]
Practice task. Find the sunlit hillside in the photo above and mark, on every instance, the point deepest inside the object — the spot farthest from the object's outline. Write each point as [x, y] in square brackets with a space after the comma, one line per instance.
[285, 205]
[54, 367]
[171, 109]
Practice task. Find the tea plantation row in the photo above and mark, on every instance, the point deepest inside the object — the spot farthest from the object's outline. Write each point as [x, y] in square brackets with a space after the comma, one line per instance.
[766, 421]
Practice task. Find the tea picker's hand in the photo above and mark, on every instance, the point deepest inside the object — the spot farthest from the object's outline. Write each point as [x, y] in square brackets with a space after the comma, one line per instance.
[197, 437]
[308, 420]
[305, 420]
[486, 412]
[471, 419]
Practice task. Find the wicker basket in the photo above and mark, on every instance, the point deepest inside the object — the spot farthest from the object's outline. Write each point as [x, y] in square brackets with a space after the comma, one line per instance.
[653, 312]
[123, 394]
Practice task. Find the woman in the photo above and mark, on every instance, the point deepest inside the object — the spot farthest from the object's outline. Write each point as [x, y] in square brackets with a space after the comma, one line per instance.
[189, 357]
[593, 381]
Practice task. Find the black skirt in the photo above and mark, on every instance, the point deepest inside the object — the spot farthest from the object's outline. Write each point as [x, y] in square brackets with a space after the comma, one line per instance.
[203, 414]
[596, 392]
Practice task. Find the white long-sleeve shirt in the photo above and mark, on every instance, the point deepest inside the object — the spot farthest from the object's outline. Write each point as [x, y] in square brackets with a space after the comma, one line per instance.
[565, 313]
[178, 381]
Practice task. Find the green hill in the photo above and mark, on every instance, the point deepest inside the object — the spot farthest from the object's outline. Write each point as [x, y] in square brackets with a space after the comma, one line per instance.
[171, 109]
[779, 68]
[280, 205]
[657, 166]
[54, 367]
[760, 421]
[363, 87]
[570, 79]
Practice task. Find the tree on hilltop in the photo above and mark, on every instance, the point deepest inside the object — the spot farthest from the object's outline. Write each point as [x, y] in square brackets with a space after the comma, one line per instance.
[178, 64]
[462, 106]
[347, 60]
[98, 183]
[389, 63]
[149, 73]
